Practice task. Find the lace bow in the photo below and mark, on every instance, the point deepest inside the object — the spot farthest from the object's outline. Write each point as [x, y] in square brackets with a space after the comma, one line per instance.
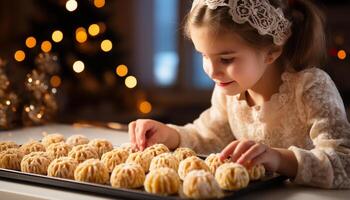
[260, 14]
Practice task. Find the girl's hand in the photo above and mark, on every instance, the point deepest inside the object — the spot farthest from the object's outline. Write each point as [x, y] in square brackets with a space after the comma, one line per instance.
[250, 153]
[145, 132]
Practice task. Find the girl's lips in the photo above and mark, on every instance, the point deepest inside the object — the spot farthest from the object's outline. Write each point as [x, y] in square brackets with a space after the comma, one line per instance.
[224, 84]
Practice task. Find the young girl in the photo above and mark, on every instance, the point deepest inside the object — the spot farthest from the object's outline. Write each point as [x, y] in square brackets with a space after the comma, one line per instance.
[270, 104]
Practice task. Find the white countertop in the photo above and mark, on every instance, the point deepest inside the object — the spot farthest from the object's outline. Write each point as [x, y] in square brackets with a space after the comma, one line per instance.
[17, 190]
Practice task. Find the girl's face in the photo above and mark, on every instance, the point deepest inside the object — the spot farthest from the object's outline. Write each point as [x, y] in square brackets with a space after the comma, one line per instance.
[233, 65]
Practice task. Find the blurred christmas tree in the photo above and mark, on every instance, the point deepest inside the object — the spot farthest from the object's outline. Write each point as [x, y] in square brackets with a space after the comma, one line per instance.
[93, 84]
[31, 101]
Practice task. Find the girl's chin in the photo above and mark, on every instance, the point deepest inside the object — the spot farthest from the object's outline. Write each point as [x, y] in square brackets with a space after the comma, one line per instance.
[229, 91]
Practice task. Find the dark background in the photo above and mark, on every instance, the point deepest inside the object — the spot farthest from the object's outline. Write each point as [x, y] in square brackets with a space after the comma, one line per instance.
[98, 94]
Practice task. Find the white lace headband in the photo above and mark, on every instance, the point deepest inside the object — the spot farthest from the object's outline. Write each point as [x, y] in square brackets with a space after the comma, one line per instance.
[260, 14]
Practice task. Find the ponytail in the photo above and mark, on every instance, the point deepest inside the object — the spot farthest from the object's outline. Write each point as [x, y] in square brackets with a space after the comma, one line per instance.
[307, 45]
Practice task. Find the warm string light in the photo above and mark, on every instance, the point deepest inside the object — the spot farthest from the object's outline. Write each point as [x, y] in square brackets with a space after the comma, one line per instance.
[99, 3]
[31, 42]
[341, 54]
[71, 5]
[130, 82]
[145, 107]
[46, 46]
[57, 36]
[19, 55]
[55, 81]
[81, 35]
[94, 29]
[106, 45]
[122, 70]
[78, 66]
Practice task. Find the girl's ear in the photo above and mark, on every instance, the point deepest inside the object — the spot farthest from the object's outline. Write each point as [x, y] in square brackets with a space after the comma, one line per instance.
[273, 54]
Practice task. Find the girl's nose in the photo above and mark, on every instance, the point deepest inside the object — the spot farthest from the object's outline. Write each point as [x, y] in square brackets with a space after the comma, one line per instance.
[214, 70]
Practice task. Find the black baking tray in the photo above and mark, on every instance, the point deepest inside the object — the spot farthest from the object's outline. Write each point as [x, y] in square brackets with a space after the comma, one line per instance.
[105, 190]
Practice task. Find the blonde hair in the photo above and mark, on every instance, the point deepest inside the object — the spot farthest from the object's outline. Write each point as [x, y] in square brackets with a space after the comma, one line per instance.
[305, 48]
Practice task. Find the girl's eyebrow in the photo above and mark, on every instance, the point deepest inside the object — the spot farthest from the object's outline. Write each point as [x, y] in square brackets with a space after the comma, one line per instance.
[221, 53]
[226, 53]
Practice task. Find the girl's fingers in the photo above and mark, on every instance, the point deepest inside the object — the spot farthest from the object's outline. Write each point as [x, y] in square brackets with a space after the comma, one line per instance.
[242, 147]
[151, 140]
[131, 130]
[142, 127]
[228, 150]
[263, 158]
[253, 152]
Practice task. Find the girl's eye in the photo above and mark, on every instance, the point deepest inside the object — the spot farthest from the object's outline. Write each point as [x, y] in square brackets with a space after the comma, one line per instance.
[226, 60]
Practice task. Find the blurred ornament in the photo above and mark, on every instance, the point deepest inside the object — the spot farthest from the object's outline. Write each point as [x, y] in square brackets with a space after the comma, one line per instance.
[4, 82]
[36, 83]
[8, 100]
[34, 114]
[43, 106]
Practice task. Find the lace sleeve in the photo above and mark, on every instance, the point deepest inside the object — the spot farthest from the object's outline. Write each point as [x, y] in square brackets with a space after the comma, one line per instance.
[327, 165]
[211, 131]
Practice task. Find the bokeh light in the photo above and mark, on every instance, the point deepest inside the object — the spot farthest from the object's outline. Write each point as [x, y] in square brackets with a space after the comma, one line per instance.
[122, 70]
[145, 107]
[99, 3]
[55, 81]
[94, 29]
[31, 42]
[130, 82]
[20, 55]
[81, 35]
[106, 45]
[57, 36]
[341, 54]
[46, 46]
[71, 5]
[78, 66]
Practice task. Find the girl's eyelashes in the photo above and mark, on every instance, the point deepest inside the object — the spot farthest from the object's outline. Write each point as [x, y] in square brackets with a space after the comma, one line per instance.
[222, 60]
[226, 60]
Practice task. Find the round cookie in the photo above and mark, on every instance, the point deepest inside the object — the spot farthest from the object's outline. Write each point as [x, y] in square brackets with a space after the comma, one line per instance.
[11, 159]
[164, 160]
[256, 172]
[57, 150]
[36, 162]
[127, 175]
[162, 181]
[191, 163]
[83, 152]
[62, 167]
[52, 138]
[93, 171]
[213, 161]
[102, 145]
[200, 184]
[232, 176]
[143, 159]
[32, 146]
[156, 149]
[4, 145]
[183, 152]
[114, 158]
[76, 140]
